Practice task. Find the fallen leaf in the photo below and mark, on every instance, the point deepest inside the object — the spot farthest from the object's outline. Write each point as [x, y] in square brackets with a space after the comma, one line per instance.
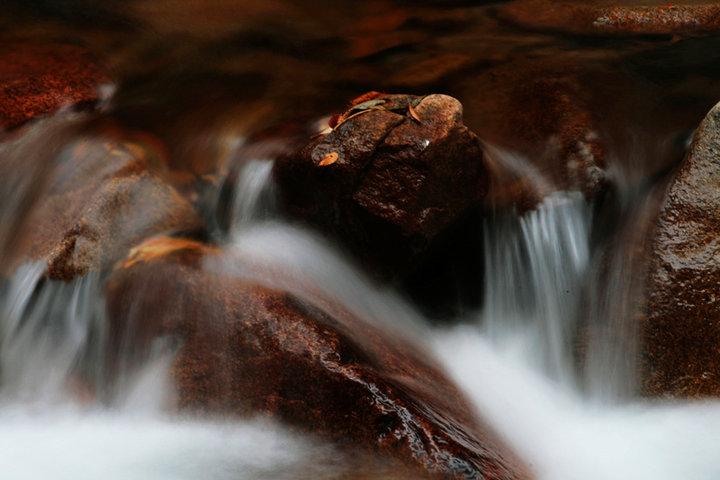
[367, 96]
[347, 117]
[329, 159]
[367, 105]
[158, 247]
[413, 114]
[332, 123]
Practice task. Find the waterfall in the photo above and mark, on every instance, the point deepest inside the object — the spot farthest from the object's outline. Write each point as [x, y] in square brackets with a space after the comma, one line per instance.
[49, 331]
[536, 265]
[253, 195]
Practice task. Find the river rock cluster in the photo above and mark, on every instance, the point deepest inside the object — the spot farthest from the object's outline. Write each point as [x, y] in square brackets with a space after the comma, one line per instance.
[401, 181]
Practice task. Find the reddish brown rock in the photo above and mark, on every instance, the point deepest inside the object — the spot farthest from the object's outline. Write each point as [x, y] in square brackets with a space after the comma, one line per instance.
[248, 349]
[607, 17]
[540, 133]
[99, 200]
[680, 333]
[37, 80]
[394, 173]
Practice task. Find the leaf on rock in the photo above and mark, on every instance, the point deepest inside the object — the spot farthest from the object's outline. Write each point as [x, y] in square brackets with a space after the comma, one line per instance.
[367, 96]
[329, 159]
[413, 114]
[158, 247]
[370, 104]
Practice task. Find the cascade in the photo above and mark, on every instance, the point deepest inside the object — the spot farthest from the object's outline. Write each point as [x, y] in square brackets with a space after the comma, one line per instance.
[580, 125]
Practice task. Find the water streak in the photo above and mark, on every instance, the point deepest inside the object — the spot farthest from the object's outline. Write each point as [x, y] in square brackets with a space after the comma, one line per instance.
[253, 195]
[535, 268]
[49, 330]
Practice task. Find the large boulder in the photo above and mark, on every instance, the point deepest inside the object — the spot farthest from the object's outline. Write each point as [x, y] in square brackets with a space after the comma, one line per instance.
[100, 196]
[394, 173]
[38, 80]
[246, 348]
[680, 334]
[616, 17]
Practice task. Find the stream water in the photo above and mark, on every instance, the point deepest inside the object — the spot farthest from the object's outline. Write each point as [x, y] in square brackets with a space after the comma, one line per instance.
[512, 358]
[202, 87]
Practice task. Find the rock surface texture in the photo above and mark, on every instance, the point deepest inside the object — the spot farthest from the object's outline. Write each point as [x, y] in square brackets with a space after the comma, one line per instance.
[540, 132]
[393, 174]
[249, 349]
[99, 200]
[38, 80]
[609, 17]
[681, 331]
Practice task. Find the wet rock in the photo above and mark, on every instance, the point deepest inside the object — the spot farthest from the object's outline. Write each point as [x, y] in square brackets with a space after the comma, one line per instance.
[394, 173]
[609, 17]
[100, 199]
[539, 131]
[37, 80]
[246, 348]
[680, 332]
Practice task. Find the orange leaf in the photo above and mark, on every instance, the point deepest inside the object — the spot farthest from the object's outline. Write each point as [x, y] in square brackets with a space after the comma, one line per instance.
[367, 96]
[329, 159]
[413, 114]
[159, 247]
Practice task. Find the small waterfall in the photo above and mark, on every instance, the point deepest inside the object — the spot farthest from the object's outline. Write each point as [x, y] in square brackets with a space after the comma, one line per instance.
[49, 331]
[53, 338]
[535, 268]
[253, 195]
[616, 290]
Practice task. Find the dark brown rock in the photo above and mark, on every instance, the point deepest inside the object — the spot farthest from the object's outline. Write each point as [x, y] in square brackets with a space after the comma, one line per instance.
[680, 332]
[541, 135]
[37, 80]
[99, 200]
[609, 17]
[385, 182]
[248, 349]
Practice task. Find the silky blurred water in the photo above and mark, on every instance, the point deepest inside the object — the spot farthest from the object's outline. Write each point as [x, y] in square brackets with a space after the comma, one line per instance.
[200, 79]
[561, 432]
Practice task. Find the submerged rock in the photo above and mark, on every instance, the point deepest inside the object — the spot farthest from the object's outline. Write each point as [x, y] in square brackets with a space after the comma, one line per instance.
[607, 17]
[395, 172]
[680, 333]
[38, 80]
[246, 348]
[100, 199]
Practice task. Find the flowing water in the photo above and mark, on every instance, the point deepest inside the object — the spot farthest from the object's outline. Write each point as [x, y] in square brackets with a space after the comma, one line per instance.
[554, 274]
[513, 359]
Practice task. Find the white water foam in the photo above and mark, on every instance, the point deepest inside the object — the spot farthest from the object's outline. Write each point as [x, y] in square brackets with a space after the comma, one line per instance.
[69, 444]
[565, 437]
